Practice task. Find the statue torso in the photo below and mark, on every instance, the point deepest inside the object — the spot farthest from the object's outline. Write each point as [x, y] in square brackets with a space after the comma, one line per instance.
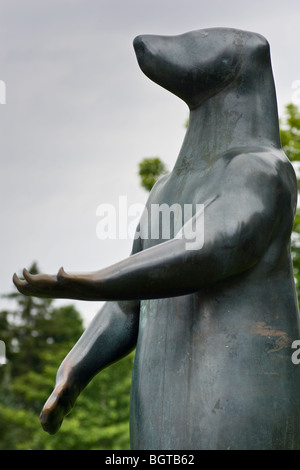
[213, 369]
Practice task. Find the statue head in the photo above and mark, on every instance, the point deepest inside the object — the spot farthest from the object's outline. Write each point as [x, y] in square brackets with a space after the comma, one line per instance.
[197, 65]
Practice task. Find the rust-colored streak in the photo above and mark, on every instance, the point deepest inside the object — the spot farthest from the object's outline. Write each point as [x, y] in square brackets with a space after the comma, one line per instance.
[280, 343]
[262, 329]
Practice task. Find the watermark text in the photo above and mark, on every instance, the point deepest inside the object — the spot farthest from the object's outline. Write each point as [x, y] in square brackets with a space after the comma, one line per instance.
[2, 92]
[154, 222]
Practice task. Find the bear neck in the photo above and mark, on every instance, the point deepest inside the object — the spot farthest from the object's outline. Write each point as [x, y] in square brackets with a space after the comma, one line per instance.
[242, 117]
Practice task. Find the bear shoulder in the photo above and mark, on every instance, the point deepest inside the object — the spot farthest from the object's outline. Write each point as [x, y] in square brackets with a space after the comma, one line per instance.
[259, 170]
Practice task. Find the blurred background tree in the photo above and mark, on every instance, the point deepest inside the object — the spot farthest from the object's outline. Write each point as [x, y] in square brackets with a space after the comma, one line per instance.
[38, 336]
[290, 132]
[290, 140]
[150, 169]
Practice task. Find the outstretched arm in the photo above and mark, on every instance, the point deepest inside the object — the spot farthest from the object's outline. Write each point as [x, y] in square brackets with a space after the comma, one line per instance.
[165, 270]
[239, 224]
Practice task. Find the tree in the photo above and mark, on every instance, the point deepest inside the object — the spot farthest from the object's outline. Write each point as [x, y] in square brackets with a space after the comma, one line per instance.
[290, 141]
[290, 132]
[150, 169]
[38, 336]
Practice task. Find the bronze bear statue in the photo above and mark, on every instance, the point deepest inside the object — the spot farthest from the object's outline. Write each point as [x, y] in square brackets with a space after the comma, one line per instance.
[213, 325]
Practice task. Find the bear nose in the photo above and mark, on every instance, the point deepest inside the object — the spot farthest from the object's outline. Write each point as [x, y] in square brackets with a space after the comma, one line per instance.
[139, 45]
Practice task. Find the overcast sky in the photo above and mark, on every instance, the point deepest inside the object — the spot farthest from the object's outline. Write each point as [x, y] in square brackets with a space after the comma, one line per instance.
[80, 115]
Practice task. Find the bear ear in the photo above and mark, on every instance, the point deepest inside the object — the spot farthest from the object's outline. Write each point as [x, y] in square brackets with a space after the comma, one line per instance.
[259, 47]
[262, 51]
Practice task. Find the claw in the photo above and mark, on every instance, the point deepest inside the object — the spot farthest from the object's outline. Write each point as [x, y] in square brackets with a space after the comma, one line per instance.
[18, 282]
[27, 275]
[61, 273]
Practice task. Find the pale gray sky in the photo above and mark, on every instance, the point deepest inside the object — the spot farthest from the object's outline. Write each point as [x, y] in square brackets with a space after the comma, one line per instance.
[80, 115]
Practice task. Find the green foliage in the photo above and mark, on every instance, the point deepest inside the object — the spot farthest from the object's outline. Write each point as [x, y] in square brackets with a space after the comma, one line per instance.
[290, 141]
[38, 336]
[290, 132]
[150, 169]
